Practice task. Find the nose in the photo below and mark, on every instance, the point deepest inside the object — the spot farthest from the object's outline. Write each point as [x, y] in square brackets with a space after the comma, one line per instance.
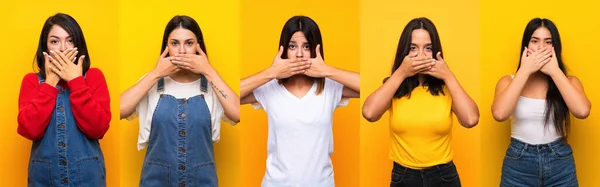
[299, 53]
[63, 47]
[181, 49]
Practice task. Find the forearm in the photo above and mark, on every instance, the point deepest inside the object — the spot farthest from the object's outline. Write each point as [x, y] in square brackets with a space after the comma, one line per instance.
[228, 98]
[249, 84]
[347, 78]
[462, 104]
[576, 101]
[132, 96]
[506, 99]
[379, 101]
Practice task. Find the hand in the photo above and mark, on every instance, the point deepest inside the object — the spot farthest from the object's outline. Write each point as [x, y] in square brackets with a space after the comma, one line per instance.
[532, 60]
[195, 63]
[411, 65]
[51, 77]
[164, 66]
[284, 68]
[63, 64]
[552, 65]
[318, 68]
[440, 69]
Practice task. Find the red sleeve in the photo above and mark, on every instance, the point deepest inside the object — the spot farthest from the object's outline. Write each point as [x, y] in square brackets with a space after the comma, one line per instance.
[91, 103]
[36, 103]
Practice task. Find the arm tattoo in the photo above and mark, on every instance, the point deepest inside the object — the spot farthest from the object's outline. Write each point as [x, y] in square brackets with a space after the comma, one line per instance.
[218, 90]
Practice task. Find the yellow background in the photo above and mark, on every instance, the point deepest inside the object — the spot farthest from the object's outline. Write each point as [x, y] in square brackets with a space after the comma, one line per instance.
[22, 23]
[502, 29]
[141, 27]
[261, 29]
[382, 23]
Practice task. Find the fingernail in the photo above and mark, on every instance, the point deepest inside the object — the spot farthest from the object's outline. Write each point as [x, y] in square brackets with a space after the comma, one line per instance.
[51, 51]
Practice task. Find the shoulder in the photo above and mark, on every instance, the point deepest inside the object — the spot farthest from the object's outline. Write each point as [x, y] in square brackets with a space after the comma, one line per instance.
[574, 80]
[30, 77]
[504, 81]
[94, 72]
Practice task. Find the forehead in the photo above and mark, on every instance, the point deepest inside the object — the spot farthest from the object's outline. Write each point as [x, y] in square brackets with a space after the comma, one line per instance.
[298, 37]
[181, 34]
[58, 31]
[542, 33]
[420, 36]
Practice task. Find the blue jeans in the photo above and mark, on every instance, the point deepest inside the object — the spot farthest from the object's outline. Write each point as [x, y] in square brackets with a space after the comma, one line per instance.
[527, 165]
[439, 175]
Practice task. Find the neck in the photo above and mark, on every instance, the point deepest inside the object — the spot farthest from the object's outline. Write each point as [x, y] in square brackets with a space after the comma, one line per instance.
[184, 76]
[299, 81]
[421, 78]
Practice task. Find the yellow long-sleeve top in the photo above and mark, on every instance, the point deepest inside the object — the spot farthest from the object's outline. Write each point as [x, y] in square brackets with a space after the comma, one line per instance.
[421, 129]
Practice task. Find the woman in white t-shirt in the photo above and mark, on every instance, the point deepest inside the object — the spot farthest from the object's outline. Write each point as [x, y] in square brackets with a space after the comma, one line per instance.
[180, 104]
[300, 92]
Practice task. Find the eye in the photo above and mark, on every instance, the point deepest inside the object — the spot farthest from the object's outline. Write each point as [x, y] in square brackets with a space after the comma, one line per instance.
[428, 48]
[413, 48]
[307, 47]
[53, 41]
[189, 43]
[174, 43]
[70, 41]
[291, 46]
[533, 41]
[549, 42]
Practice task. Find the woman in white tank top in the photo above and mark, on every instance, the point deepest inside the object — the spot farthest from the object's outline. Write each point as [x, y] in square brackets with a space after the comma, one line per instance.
[538, 100]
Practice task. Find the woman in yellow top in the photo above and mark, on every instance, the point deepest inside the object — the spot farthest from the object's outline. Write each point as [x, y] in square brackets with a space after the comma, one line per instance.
[421, 95]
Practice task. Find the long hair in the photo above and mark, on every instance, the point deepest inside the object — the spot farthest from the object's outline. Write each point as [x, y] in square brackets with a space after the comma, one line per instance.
[185, 22]
[556, 108]
[71, 26]
[435, 85]
[312, 33]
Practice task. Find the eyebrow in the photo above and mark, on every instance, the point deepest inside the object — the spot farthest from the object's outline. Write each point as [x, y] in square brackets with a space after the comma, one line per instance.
[425, 44]
[533, 37]
[293, 41]
[189, 39]
[52, 36]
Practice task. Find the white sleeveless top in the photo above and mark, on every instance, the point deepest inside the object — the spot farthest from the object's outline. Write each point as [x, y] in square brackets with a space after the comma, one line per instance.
[527, 122]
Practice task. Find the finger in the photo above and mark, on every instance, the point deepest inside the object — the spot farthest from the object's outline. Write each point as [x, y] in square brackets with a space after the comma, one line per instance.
[80, 61]
[55, 63]
[422, 67]
[525, 53]
[280, 52]
[318, 49]
[71, 54]
[46, 59]
[181, 58]
[421, 62]
[199, 50]
[56, 56]
[181, 63]
[301, 59]
[164, 53]
[439, 56]
[54, 70]
[298, 72]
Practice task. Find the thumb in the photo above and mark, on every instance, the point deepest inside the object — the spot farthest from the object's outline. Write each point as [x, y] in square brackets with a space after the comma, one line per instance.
[439, 56]
[318, 50]
[280, 52]
[164, 53]
[524, 53]
[199, 50]
[80, 61]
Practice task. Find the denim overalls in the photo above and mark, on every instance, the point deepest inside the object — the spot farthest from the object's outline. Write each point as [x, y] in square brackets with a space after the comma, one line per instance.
[65, 156]
[180, 148]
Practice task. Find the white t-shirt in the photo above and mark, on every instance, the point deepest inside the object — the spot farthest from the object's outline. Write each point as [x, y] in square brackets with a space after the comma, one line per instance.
[300, 139]
[147, 105]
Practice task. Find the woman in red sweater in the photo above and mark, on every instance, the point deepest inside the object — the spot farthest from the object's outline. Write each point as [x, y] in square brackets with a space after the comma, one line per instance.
[64, 109]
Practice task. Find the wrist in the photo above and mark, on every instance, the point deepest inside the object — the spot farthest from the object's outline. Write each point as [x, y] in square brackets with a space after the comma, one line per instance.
[328, 71]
